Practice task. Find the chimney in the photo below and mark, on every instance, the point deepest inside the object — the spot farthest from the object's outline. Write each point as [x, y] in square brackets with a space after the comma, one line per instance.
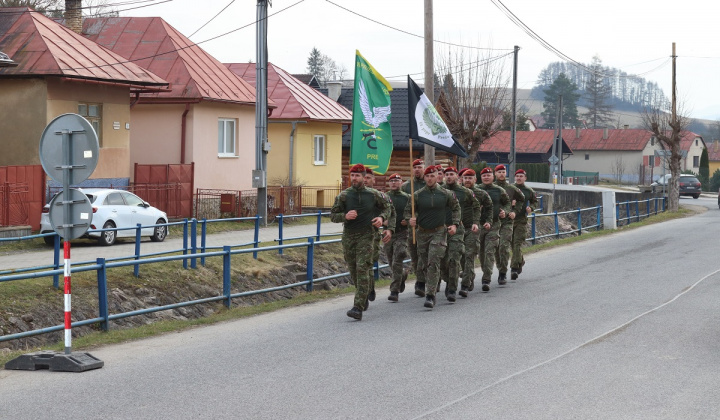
[334, 89]
[626, 126]
[73, 15]
[605, 133]
[577, 132]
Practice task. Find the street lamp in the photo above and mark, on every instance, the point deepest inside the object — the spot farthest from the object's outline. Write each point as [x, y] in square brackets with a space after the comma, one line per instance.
[5, 61]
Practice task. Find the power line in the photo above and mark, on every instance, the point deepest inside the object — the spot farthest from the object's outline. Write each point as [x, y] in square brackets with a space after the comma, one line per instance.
[471, 66]
[213, 18]
[410, 33]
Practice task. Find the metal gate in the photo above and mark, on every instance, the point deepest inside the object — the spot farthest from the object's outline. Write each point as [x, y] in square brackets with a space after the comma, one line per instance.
[22, 195]
[176, 201]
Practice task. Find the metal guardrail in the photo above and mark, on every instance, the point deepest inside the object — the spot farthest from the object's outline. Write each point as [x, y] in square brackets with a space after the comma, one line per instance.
[641, 208]
[191, 253]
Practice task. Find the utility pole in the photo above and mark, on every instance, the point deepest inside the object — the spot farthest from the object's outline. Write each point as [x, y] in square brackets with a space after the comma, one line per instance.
[674, 88]
[429, 72]
[513, 121]
[559, 140]
[259, 176]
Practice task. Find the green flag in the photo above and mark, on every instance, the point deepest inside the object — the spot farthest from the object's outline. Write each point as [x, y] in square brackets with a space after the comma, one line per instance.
[371, 142]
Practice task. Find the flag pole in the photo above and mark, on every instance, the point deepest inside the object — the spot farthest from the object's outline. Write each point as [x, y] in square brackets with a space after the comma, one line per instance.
[412, 190]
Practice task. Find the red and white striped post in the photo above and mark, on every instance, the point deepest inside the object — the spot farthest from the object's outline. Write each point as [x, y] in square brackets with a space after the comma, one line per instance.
[68, 322]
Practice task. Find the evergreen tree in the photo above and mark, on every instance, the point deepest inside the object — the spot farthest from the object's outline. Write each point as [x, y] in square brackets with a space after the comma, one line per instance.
[565, 87]
[521, 121]
[316, 64]
[598, 94]
[715, 181]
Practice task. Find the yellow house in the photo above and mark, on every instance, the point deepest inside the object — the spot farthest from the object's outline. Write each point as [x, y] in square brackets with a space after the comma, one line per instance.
[61, 72]
[305, 133]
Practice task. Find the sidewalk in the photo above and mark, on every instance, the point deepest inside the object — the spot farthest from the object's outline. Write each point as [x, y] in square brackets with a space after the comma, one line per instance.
[82, 252]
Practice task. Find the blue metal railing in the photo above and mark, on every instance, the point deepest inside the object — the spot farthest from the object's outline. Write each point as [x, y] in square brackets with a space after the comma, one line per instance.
[556, 219]
[634, 211]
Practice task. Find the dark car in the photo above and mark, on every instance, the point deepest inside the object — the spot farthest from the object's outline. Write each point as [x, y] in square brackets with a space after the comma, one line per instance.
[688, 184]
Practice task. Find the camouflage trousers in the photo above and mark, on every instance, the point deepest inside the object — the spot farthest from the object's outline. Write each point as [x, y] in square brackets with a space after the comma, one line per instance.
[451, 267]
[488, 243]
[359, 261]
[396, 252]
[502, 254]
[375, 257]
[431, 247]
[520, 228]
[471, 240]
[413, 251]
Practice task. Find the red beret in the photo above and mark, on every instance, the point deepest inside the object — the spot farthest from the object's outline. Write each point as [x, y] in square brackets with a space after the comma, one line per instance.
[440, 168]
[486, 170]
[521, 171]
[430, 169]
[462, 171]
[417, 162]
[468, 172]
[358, 167]
[395, 176]
[369, 171]
[450, 169]
[500, 168]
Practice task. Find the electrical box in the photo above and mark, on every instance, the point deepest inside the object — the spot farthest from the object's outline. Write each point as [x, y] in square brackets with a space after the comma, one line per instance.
[266, 147]
[259, 179]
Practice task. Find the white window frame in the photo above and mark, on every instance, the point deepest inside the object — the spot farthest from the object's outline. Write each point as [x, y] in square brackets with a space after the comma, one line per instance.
[223, 124]
[319, 149]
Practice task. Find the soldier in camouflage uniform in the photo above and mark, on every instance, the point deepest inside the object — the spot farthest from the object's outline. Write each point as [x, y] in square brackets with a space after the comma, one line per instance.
[517, 199]
[418, 183]
[396, 249]
[470, 217]
[362, 211]
[489, 237]
[520, 224]
[472, 239]
[431, 203]
[370, 183]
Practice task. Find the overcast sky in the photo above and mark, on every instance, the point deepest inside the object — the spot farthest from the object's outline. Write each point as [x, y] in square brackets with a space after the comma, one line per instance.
[635, 36]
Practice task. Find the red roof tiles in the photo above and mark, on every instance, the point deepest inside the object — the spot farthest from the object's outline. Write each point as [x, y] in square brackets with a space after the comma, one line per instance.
[294, 99]
[43, 47]
[592, 139]
[154, 44]
[538, 141]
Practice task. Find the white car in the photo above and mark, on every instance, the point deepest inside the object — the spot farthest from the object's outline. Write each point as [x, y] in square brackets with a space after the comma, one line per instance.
[115, 209]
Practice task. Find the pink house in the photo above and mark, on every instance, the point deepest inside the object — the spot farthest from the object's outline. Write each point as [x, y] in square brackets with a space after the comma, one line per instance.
[208, 116]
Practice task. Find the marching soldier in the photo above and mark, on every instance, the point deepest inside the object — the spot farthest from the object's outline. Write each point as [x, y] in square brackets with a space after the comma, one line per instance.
[470, 217]
[396, 249]
[418, 183]
[517, 199]
[362, 211]
[520, 224]
[431, 204]
[370, 183]
[489, 237]
[472, 239]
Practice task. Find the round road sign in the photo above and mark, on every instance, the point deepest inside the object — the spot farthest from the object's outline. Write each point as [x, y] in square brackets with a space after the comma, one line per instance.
[80, 214]
[69, 141]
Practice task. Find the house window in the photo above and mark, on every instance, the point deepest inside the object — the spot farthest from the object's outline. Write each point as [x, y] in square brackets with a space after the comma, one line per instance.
[226, 137]
[696, 142]
[319, 150]
[587, 156]
[651, 160]
[652, 141]
[696, 161]
[92, 113]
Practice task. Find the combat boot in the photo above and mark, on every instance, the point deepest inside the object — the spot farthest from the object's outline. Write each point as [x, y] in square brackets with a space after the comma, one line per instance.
[485, 287]
[429, 301]
[451, 296]
[355, 313]
[371, 295]
[393, 297]
[502, 279]
[463, 291]
[513, 274]
[420, 289]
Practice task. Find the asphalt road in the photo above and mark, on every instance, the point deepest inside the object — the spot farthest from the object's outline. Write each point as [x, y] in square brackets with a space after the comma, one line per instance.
[625, 326]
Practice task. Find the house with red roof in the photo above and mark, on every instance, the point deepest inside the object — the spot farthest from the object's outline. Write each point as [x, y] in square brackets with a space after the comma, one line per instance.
[629, 154]
[530, 147]
[59, 72]
[206, 117]
[714, 156]
[305, 131]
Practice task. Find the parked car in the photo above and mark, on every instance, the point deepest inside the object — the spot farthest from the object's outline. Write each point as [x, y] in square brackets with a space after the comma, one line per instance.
[115, 209]
[689, 185]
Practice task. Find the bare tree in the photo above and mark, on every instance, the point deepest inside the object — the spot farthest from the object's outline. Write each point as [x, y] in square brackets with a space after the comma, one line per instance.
[668, 132]
[473, 95]
[331, 70]
[55, 8]
[618, 169]
[39, 5]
